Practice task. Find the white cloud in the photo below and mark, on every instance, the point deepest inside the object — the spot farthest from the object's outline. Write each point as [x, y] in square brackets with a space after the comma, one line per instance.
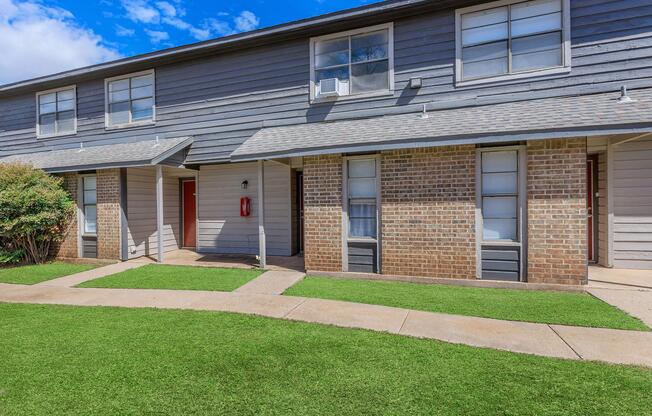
[141, 11]
[157, 36]
[38, 40]
[246, 21]
[167, 8]
[123, 31]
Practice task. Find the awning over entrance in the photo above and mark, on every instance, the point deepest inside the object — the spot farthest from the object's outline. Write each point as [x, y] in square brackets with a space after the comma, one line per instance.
[470, 122]
[143, 153]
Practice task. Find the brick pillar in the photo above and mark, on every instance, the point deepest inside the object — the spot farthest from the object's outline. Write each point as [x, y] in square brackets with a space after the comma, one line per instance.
[108, 214]
[322, 177]
[557, 225]
[68, 248]
[428, 212]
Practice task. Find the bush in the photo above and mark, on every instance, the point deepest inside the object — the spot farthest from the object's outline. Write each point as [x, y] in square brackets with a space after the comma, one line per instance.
[35, 211]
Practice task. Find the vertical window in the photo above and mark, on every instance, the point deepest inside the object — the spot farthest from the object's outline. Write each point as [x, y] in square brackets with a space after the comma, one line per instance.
[362, 197]
[359, 61]
[90, 204]
[56, 112]
[130, 100]
[517, 37]
[500, 195]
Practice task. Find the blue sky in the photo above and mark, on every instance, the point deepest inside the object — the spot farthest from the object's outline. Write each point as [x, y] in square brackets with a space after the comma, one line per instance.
[39, 37]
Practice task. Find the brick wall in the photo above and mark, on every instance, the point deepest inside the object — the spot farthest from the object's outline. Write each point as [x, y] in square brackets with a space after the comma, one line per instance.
[428, 212]
[108, 214]
[68, 247]
[557, 228]
[323, 212]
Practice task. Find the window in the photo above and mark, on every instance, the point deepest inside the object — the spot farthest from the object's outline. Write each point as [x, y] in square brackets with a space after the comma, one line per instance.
[56, 112]
[89, 202]
[362, 197]
[130, 99]
[514, 38]
[500, 197]
[361, 61]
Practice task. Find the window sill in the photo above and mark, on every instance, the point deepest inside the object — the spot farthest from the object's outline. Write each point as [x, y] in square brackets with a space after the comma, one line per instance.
[500, 243]
[52, 136]
[323, 100]
[514, 77]
[131, 125]
[361, 240]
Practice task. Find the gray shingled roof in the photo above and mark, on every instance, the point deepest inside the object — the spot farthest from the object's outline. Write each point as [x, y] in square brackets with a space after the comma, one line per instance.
[543, 118]
[108, 156]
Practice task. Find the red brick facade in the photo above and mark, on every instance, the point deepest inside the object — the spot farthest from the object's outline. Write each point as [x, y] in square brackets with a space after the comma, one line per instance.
[557, 227]
[428, 212]
[108, 214]
[323, 212]
[428, 199]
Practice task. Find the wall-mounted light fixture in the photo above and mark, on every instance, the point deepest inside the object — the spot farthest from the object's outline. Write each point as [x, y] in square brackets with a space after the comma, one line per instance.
[416, 83]
[244, 184]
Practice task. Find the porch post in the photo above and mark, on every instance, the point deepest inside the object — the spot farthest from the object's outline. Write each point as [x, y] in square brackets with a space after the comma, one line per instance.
[159, 212]
[262, 249]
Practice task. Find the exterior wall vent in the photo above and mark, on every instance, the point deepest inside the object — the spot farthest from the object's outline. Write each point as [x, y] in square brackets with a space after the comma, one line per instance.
[332, 87]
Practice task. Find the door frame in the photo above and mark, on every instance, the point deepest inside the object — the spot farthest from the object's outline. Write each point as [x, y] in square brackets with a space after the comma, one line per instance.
[592, 166]
[181, 212]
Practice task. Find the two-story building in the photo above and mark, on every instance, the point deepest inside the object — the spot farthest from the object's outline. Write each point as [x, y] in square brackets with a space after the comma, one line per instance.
[507, 140]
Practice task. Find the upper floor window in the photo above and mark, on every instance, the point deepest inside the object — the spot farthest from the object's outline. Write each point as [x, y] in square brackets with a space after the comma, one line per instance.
[509, 39]
[354, 62]
[56, 112]
[130, 99]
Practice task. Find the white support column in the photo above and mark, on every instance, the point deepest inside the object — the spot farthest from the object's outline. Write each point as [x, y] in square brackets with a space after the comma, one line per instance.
[262, 247]
[159, 212]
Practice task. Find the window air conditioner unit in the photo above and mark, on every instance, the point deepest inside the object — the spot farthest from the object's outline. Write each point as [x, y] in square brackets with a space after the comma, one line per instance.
[332, 87]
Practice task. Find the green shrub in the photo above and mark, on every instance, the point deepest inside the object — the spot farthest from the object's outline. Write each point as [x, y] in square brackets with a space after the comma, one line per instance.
[35, 211]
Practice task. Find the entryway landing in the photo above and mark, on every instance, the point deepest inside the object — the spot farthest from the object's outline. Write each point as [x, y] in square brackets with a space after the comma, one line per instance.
[187, 257]
[603, 277]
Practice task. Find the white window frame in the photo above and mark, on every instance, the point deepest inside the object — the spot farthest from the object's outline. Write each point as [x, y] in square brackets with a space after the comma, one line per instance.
[565, 40]
[345, 212]
[81, 216]
[107, 124]
[390, 57]
[521, 209]
[38, 112]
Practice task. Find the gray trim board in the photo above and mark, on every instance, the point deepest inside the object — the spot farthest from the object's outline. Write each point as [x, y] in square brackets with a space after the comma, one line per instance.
[124, 220]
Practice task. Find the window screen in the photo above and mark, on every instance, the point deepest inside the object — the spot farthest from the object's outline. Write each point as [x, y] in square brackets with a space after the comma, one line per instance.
[510, 39]
[500, 195]
[90, 204]
[56, 113]
[362, 198]
[360, 61]
[131, 100]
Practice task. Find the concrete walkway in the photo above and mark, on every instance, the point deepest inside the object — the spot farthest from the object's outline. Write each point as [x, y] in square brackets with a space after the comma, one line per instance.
[622, 347]
[78, 278]
[271, 283]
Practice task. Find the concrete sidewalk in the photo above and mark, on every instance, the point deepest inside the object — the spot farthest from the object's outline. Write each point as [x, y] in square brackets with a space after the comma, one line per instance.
[271, 283]
[78, 278]
[622, 347]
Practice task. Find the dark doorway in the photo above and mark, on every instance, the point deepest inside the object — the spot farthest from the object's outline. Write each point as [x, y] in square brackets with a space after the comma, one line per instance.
[299, 216]
[591, 207]
[189, 213]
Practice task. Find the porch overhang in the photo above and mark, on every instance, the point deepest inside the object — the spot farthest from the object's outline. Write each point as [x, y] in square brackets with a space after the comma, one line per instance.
[123, 155]
[548, 118]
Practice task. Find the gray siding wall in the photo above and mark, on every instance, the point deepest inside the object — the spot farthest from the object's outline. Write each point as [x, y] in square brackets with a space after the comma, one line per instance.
[141, 212]
[632, 193]
[223, 100]
[222, 229]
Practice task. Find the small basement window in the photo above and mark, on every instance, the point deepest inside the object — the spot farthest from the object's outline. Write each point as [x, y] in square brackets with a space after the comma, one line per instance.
[56, 112]
[508, 38]
[352, 63]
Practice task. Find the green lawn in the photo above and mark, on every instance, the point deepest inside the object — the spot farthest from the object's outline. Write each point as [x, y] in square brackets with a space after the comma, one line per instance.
[564, 308]
[57, 360]
[29, 275]
[160, 276]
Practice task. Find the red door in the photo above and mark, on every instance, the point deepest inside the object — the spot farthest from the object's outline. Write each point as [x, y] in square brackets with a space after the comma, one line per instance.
[189, 214]
[589, 206]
